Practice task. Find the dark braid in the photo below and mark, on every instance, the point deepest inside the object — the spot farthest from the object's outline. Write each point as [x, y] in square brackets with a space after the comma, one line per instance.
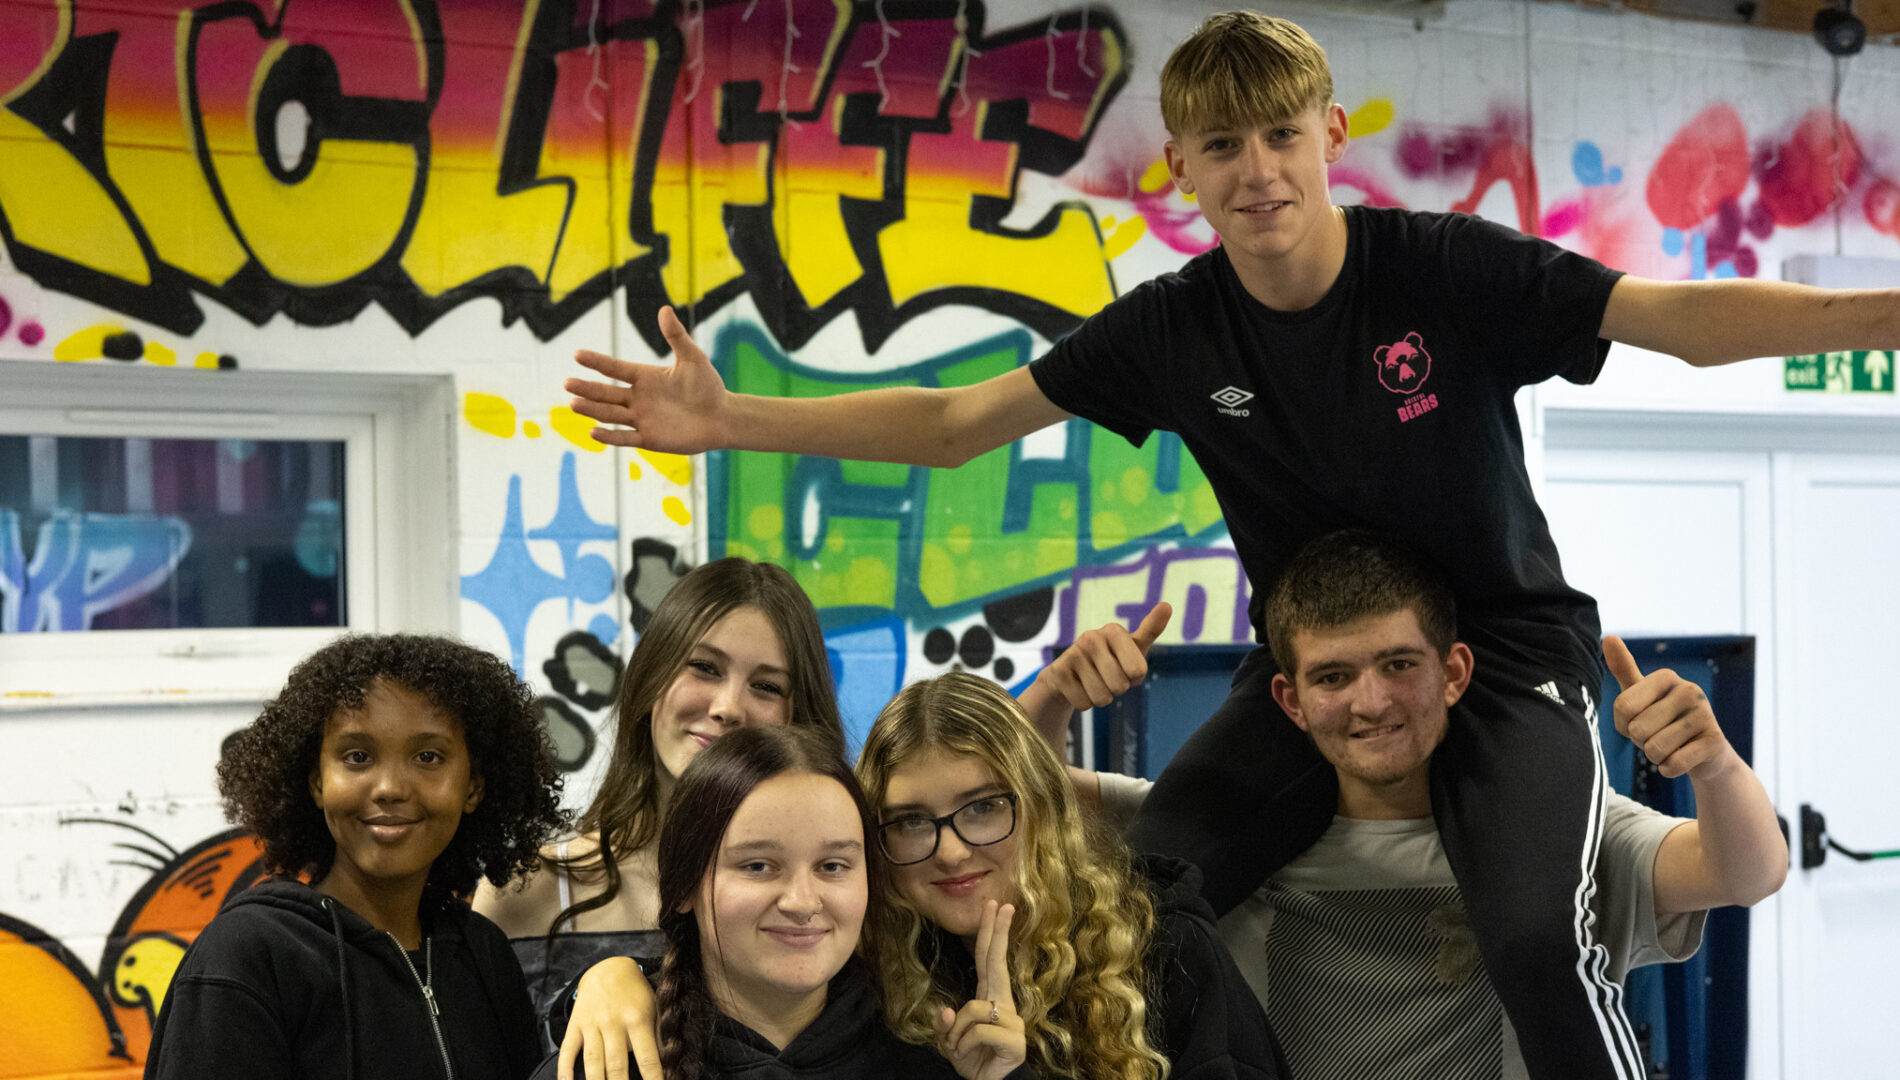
[703, 804]
[685, 1003]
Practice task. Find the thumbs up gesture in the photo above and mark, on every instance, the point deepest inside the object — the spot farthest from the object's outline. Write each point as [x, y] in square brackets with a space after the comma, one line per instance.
[1668, 718]
[1103, 663]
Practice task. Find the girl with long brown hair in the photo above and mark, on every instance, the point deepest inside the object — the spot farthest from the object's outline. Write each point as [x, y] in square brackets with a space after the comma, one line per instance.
[734, 644]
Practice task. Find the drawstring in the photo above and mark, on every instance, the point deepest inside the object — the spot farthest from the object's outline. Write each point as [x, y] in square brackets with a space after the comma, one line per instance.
[343, 983]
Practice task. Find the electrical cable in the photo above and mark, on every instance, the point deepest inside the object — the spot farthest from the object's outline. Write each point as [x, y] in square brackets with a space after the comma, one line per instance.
[1862, 856]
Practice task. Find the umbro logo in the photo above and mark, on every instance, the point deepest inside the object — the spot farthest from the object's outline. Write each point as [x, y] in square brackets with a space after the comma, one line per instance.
[1230, 398]
[1549, 690]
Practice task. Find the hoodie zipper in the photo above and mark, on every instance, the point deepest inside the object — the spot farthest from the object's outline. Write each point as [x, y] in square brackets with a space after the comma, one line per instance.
[427, 986]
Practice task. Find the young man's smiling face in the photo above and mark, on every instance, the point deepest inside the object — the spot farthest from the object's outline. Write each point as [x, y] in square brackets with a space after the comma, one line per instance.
[1374, 694]
[1263, 186]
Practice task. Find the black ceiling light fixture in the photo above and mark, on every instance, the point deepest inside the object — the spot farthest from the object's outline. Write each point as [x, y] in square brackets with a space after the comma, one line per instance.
[1839, 30]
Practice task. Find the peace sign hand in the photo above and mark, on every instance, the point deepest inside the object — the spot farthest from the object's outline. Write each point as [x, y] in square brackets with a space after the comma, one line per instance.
[984, 1040]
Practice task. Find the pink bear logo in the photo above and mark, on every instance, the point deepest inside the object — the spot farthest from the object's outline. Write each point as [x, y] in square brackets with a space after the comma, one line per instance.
[1404, 365]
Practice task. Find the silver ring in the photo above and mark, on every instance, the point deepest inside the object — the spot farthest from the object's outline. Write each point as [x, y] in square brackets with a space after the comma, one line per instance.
[994, 1015]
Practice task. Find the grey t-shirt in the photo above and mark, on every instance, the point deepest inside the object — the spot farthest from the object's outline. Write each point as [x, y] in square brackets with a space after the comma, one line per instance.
[1362, 955]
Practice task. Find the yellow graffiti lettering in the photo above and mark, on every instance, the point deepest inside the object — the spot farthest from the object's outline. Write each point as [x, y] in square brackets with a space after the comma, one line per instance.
[151, 146]
[575, 428]
[333, 222]
[51, 201]
[675, 509]
[489, 413]
[531, 429]
[1060, 261]
[675, 467]
[600, 100]
[206, 360]
[934, 248]
[699, 174]
[160, 355]
[1155, 178]
[816, 172]
[468, 227]
[696, 197]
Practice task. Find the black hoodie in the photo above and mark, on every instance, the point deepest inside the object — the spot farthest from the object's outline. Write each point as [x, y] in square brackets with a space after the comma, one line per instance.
[1210, 1023]
[848, 1041]
[1201, 1013]
[287, 982]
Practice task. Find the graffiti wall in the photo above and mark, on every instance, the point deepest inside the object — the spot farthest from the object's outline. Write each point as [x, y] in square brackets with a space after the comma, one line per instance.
[836, 195]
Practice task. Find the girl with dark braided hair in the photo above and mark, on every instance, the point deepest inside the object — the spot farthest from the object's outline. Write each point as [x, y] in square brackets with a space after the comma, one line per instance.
[766, 878]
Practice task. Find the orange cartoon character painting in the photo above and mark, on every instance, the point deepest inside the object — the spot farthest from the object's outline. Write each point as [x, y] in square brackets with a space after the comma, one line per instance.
[58, 1018]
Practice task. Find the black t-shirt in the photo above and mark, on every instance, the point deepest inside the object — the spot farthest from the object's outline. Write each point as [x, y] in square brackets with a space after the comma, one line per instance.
[1387, 405]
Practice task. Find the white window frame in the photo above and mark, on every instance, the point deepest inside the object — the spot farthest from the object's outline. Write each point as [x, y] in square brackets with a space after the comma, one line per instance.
[398, 520]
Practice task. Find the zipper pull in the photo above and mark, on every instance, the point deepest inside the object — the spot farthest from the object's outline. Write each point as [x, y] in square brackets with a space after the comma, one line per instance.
[428, 994]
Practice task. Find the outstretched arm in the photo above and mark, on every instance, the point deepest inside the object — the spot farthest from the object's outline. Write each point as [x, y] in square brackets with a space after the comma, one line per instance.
[1733, 852]
[1719, 322]
[684, 408]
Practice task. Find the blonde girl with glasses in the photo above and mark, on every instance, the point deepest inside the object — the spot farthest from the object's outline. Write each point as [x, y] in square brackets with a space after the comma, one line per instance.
[1119, 973]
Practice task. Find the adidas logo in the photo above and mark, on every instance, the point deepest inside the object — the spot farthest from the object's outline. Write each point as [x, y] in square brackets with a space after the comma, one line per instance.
[1230, 398]
[1549, 690]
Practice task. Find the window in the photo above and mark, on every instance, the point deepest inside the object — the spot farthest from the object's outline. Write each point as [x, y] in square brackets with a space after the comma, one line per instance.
[135, 532]
[168, 534]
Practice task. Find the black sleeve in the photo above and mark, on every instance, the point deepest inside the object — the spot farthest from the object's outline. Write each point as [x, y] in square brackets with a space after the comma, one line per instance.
[1212, 1024]
[213, 1027]
[1106, 370]
[1540, 305]
[508, 989]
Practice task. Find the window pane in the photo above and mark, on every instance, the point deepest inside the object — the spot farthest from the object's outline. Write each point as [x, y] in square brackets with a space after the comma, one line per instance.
[155, 534]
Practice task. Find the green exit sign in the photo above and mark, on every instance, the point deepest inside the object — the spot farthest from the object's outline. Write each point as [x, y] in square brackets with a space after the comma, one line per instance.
[1861, 372]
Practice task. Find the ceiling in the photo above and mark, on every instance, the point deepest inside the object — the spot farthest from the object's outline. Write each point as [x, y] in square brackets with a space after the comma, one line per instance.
[1881, 16]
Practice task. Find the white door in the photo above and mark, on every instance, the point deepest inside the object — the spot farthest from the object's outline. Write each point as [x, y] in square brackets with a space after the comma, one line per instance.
[1679, 543]
[1839, 743]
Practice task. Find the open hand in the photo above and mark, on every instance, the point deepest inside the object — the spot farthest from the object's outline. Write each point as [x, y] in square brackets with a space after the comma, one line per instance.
[984, 1040]
[677, 409]
[613, 1016]
[1668, 718]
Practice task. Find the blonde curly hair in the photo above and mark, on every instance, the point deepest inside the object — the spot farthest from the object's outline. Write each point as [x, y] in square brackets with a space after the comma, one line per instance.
[1084, 917]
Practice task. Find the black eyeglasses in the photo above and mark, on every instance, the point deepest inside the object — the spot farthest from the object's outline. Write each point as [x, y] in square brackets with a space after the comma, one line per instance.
[978, 823]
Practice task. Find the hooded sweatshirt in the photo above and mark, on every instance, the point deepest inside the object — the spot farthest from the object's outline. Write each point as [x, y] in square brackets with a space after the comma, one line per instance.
[1201, 1013]
[1209, 1022]
[848, 1041]
[287, 982]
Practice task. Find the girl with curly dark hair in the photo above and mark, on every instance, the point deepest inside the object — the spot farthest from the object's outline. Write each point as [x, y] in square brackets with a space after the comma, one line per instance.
[733, 644]
[391, 774]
